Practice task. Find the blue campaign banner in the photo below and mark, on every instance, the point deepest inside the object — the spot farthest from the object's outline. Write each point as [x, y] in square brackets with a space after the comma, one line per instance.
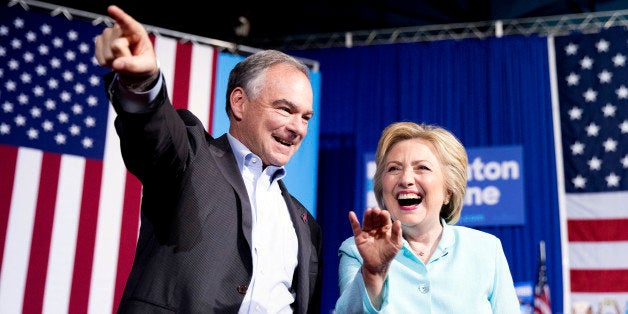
[495, 186]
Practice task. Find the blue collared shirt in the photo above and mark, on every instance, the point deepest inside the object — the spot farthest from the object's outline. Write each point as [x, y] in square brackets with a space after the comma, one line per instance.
[468, 273]
[274, 244]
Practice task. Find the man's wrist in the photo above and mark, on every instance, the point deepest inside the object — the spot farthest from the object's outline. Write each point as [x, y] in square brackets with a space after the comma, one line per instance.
[138, 85]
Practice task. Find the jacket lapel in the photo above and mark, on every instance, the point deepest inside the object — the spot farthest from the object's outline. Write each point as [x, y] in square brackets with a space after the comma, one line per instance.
[299, 217]
[226, 163]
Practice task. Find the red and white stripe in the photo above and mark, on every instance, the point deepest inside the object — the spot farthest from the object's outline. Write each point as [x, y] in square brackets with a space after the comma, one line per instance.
[598, 247]
[68, 225]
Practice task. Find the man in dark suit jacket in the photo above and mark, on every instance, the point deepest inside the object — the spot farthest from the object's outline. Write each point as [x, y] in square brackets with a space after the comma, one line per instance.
[220, 233]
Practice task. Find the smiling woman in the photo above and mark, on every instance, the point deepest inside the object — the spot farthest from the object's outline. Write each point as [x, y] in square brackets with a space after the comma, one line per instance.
[410, 242]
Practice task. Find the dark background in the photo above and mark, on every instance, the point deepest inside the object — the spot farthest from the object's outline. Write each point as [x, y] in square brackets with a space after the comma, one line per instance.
[280, 19]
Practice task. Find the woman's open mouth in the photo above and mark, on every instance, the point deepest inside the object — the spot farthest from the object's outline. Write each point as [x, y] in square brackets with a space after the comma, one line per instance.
[409, 199]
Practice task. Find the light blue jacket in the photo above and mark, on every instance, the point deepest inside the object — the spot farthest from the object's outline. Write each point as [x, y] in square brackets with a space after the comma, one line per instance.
[468, 273]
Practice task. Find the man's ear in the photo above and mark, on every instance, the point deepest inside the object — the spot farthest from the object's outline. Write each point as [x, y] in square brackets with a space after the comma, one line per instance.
[238, 100]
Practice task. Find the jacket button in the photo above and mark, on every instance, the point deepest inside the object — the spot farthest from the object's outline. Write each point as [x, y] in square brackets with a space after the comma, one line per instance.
[242, 289]
[424, 288]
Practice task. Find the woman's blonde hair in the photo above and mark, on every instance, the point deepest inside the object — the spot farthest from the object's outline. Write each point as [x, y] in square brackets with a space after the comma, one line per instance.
[450, 152]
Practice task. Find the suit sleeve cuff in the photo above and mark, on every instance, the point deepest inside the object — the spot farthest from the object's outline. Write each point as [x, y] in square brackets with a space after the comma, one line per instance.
[136, 101]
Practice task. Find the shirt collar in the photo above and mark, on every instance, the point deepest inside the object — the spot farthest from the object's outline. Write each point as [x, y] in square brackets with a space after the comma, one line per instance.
[242, 154]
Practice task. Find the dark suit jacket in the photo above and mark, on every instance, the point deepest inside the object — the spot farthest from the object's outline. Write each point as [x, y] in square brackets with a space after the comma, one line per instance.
[194, 249]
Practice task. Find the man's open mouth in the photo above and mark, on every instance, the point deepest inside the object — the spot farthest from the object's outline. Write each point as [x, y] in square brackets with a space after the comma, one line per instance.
[283, 142]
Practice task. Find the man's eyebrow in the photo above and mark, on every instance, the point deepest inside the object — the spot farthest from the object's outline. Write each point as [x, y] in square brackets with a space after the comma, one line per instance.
[290, 104]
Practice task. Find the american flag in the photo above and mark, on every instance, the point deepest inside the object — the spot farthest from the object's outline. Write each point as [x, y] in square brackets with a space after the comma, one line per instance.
[542, 303]
[69, 211]
[592, 80]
